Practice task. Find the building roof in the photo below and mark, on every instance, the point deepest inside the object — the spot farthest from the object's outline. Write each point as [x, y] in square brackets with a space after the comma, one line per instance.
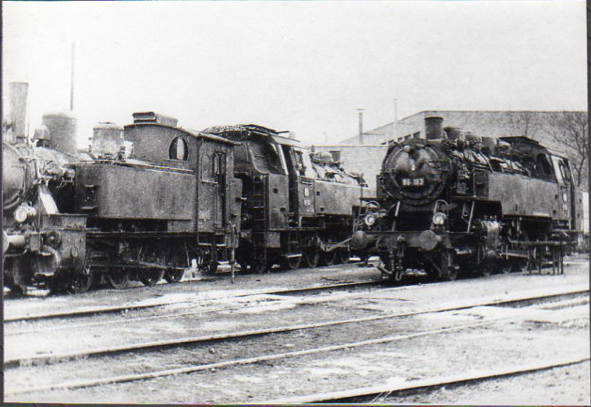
[369, 137]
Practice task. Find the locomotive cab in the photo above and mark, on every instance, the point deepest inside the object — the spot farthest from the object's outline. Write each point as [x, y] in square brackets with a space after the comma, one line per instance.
[170, 201]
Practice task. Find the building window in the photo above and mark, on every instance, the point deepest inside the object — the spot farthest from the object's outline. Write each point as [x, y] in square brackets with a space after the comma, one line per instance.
[178, 149]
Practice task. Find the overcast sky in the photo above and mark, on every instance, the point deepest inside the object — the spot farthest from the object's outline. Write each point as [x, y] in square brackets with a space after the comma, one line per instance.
[300, 66]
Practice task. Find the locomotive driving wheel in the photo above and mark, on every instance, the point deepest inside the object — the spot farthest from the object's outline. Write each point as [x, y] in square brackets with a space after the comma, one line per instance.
[328, 258]
[449, 271]
[80, 283]
[311, 256]
[150, 277]
[81, 280]
[173, 276]
[291, 263]
[118, 279]
[504, 263]
[343, 255]
[15, 280]
[206, 262]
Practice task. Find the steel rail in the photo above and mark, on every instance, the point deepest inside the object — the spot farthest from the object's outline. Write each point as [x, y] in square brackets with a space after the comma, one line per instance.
[191, 341]
[184, 314]
[380, 393]
[245, 361]
[111, 310]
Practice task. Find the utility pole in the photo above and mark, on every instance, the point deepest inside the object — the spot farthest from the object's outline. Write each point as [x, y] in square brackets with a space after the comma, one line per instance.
[360, 125]
[395, 119]
[72, 78]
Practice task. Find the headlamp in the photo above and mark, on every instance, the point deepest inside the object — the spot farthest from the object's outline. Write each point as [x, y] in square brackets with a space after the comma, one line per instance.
[439, 219]
[23, 212]
[370, 220]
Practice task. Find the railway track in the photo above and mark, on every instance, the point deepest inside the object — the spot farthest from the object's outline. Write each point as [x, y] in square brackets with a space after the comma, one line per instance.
[175, 314]
[106, 310]
[237, 362]
[95, 311]
[380, 394]
[145, 347]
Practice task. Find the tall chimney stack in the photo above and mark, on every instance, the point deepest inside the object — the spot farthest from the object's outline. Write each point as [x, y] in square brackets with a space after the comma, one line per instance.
[360, 126]
[18, 108]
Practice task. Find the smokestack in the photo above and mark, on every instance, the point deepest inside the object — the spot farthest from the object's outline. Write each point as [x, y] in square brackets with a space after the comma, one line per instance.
[433, 127]
[18, 108]
[360, 125]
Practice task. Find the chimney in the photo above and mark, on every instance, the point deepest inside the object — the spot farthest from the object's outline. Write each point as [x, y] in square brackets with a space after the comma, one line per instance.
[18, 108]
[360, 126]
[433, 127]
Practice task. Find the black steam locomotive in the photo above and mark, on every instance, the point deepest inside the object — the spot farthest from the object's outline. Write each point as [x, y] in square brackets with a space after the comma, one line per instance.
[296, 205]
[156, 198]
[454, 202]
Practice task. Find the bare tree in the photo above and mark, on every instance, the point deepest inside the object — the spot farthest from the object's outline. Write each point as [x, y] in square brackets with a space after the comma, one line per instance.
[524, 124]
[571, 130]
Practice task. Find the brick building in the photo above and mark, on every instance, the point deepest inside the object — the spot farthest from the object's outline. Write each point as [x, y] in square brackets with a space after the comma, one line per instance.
[539, 125]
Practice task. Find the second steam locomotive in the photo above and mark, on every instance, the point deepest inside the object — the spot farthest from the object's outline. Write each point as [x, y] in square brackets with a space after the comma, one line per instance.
[456, 203]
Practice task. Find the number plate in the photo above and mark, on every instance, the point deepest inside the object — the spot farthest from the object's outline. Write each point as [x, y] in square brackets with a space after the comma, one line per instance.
[413, 182]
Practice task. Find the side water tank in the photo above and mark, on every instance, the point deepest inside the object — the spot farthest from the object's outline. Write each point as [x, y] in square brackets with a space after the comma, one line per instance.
[107, 139]
[62, 131]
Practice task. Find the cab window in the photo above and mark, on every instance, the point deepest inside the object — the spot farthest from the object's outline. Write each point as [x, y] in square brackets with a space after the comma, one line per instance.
[218, 165]
[544, 168]
[178, 149]
[205, 168]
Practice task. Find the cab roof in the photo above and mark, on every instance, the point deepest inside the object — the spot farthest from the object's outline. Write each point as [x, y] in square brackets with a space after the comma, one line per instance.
[188, 132]
[246, 131]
